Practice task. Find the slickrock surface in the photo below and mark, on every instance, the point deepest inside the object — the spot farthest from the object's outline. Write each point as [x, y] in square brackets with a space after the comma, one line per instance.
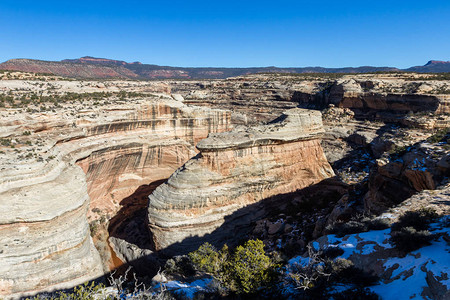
[45, 235]
[232, 171]
[45, 195]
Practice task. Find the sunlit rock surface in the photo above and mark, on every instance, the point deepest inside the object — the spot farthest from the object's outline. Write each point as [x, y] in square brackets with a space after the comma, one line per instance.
[45, 195]
[232, 171]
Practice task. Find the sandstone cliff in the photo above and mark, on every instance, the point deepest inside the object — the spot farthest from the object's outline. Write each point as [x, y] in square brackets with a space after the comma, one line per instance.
[45, 195]
[45, 235]
[232, 171]
[419, 100]
[389, 97]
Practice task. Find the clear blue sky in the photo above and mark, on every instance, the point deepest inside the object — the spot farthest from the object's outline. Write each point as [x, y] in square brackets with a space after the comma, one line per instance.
[229, 33]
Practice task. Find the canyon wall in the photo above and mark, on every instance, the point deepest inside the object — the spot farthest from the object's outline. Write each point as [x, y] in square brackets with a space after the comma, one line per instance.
[235, 170]
[45, 234]
[423, 166]
[372, 96]
[45, 195]
[150, 144]
[401, 98]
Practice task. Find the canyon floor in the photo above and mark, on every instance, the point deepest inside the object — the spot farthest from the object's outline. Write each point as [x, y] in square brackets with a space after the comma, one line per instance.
[102, 175]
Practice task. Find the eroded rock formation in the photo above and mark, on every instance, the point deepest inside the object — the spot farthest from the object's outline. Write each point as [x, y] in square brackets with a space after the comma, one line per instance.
[398, 177]
[126, 147]
[378, 96]
[45, 234]
[232, 171]
[45, 195]
[410, 99]
[153, 142]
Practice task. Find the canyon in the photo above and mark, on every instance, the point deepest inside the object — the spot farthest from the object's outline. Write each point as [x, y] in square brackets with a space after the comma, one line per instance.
[47, 195]
[86, 163]
[234, 170]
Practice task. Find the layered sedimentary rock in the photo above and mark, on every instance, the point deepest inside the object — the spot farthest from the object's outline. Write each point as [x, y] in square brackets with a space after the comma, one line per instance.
[233, 171]
[372, 96]
[400, 98]
[420, 167]
[154, 141]
[45, 235]
[45, 195]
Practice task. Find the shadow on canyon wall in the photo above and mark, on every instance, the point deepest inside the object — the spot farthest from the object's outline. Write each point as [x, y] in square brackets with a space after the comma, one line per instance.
[131, 224]
[130, 221]
[368, 106]
[234, 230]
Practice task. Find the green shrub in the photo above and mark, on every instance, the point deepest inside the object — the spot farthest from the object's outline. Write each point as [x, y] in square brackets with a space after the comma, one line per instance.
[5, 142]
[207, 259]
[378, 224]
[343, 228]
[243, 272]
[409, 239]
[86, 291]
[411, 231]
[419, 219]
[249, 267]
[439, 135]
[181, 264]
[343, 271]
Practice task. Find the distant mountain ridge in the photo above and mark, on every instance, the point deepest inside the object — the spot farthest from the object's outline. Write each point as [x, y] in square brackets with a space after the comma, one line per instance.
[433, 66]
[92, 67]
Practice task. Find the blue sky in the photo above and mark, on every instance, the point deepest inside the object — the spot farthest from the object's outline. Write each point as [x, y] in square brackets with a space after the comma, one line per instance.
[229, 33]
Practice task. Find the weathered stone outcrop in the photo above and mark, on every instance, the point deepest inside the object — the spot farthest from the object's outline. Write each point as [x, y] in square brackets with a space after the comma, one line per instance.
[154, 141]
[377, 96]
[45, 195]
[422, 273]
[45, 234]
[394, 179]
[232, 171]
[399, 98]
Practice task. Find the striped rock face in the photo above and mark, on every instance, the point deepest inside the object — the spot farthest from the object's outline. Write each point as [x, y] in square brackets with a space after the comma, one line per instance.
[77, 163]
[208, 198]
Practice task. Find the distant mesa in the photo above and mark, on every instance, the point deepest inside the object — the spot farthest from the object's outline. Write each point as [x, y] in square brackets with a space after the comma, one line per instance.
[434, 62]
[96, 60]
[433, 66]
[103, 68]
